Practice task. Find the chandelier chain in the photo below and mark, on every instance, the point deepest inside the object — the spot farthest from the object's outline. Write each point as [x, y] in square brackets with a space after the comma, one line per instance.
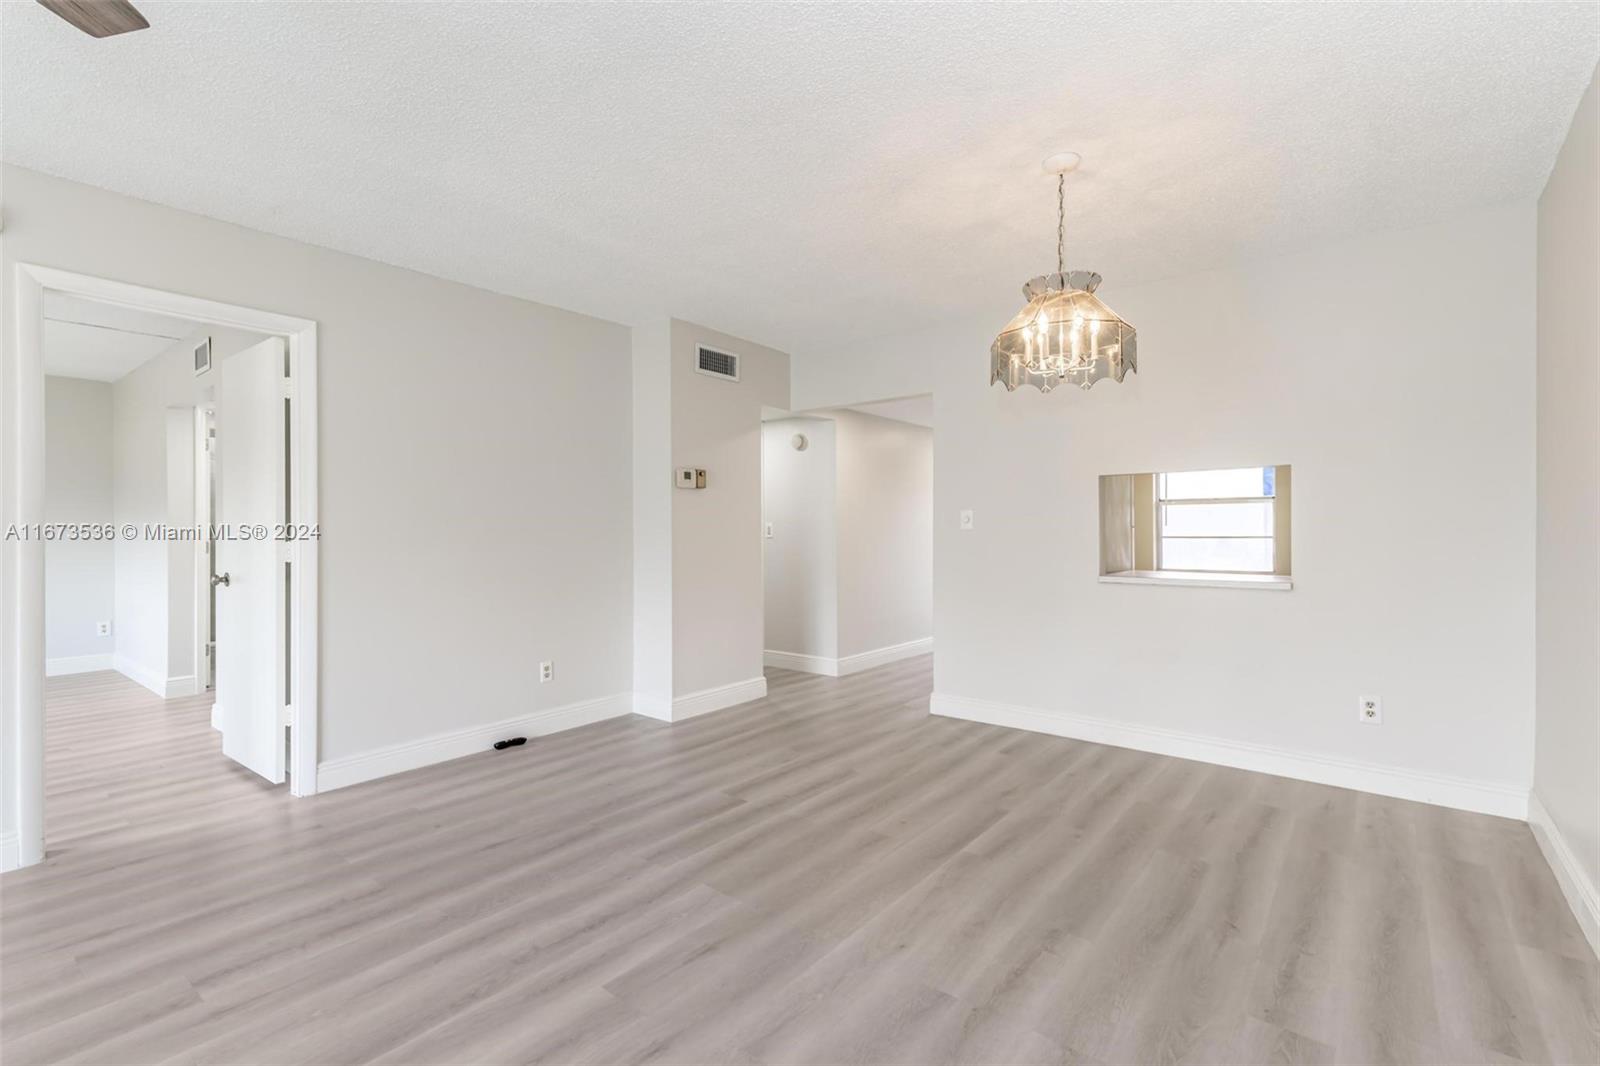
[1061, 223]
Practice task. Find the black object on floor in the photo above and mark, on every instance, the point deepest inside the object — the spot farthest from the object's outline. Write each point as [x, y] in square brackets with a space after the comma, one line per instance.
[514, 742]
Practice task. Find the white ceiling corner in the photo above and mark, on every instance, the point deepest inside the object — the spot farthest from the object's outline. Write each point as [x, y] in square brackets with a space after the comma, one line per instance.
[918, 410]
[102, 342]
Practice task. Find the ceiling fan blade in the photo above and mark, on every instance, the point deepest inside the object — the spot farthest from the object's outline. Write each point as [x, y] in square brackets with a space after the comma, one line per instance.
[99, 18]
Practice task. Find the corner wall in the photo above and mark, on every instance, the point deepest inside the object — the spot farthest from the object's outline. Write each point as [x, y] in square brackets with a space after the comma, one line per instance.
[1566, 809]
[716, 531]
[153, 415]
[799, 499]
[651, 358]
[885, 537]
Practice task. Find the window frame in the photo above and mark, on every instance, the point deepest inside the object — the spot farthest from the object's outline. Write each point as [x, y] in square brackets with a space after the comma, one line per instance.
[1160, 538]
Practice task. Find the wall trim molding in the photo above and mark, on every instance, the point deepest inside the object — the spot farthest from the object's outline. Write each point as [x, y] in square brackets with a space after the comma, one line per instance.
[866, 660]
[441, 747]
[10, 858]
[187, 685]
[652, 705]
[1505, 799]
[78, 664]
[1579, 891]
[715, 699]
[806, 664]
[849, 664]
[165, 687]
[133, 670]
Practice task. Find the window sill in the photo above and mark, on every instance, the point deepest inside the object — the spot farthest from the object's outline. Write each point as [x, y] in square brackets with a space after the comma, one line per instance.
[1265, 582]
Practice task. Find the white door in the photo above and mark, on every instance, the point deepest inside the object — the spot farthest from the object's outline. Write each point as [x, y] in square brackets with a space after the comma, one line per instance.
[251, 601]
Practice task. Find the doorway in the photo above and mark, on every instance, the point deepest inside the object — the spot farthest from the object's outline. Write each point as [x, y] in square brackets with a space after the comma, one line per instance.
[279, 554]
[847, 528]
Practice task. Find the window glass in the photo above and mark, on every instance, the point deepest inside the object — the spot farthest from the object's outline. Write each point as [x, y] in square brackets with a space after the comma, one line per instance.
[1233, 554]
[1245, 519]
[1217, 484]
[1218, 520]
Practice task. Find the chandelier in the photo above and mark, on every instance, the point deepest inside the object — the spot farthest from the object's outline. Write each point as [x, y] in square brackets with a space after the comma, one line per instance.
[1065, 334]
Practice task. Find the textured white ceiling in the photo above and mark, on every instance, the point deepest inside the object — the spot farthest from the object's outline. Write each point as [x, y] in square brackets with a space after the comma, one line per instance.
[85, 339]
[803, 175]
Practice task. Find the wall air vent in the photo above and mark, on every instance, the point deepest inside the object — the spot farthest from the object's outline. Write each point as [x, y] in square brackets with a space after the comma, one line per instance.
[717, 364]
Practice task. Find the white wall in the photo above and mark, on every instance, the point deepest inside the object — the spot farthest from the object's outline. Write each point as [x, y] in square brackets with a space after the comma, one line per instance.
[140, 420]
[154, 484]
[79, 576]
[799, 498]
[1567, 764]
[716, 531]
[181, 567]
[849, 568]
[651, 357]
[1401, 389]
[885, 533]
[474, 464]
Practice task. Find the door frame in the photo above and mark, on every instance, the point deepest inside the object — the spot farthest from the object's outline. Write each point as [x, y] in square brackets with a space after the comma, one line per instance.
[22, 503]
[203, 590]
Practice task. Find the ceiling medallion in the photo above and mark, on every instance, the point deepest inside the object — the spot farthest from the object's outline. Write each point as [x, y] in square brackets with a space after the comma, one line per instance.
[1065, 334]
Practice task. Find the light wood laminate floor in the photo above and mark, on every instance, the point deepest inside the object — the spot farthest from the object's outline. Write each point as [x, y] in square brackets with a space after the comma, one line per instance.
[829, 875]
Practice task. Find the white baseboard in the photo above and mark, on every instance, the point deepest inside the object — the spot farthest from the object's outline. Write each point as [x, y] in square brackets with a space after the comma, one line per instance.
[849, 664]
[165, 687]
[77, 664]
[1486, 797]
[1573, 879]
[651, 705]
[398, 758]
[806, 664]
[715, 699]
[853, 664]
[10, 854]
[153, 680]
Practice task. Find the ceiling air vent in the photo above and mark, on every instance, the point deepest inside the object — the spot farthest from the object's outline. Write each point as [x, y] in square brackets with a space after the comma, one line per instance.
[717, 364]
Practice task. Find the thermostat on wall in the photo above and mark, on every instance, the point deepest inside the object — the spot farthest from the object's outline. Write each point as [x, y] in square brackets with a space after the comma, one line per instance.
[690, 477]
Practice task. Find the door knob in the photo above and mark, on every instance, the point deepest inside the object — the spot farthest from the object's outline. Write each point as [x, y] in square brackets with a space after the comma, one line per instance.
[220, 579]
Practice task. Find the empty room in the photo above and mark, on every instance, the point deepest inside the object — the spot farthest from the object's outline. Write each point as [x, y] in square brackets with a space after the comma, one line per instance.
[799, 533]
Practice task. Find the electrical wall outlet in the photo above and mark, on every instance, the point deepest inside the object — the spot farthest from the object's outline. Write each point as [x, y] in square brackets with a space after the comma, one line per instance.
[102, 629]
[547, 672]
[1370, 710]
[966, 519]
